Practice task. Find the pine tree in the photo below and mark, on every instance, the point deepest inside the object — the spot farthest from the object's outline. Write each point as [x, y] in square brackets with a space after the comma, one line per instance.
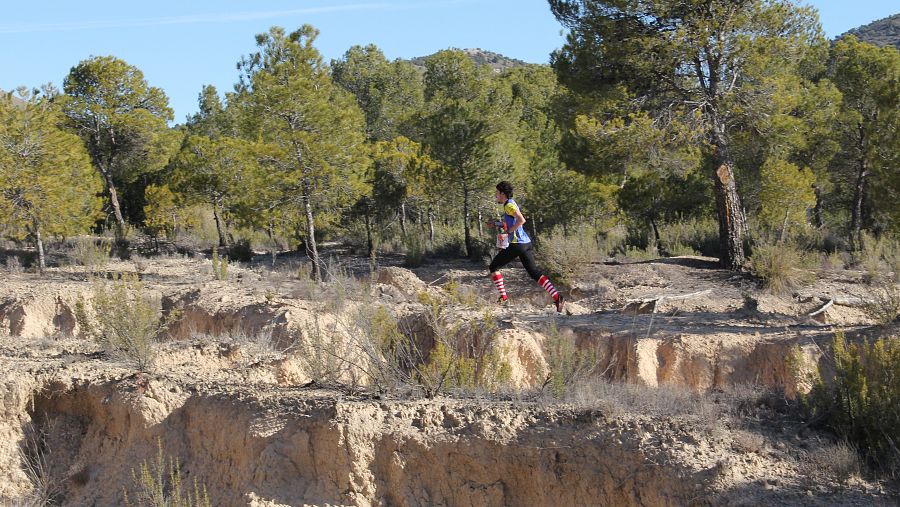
[466, 113]
[314, 129]
[122, 121]
[869, 80]
[787, 193]
[703, 62]
[47, 186]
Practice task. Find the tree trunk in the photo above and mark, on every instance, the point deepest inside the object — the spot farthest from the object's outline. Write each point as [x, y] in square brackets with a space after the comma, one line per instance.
[784, 226]
[431, 227]
[369, 244]
[858, 195]
[732, 222]
[270, 232]
[480, 228]
[818, 219]
[655, 231]
[403, 218]
[311, 249]
[466, 228]
[114, 202]
[220, 228]
[39, 245]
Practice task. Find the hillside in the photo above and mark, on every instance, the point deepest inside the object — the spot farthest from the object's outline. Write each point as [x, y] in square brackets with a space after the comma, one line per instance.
[15, 100]
[496, 61]
[882, 32]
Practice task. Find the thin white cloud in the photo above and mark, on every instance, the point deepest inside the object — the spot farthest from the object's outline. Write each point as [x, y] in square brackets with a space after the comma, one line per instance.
[210, 18]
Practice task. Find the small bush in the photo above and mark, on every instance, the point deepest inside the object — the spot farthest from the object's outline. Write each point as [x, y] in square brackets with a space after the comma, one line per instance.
[448, 241]
[460, 294]
[464, 359]
[679, 249]
[14, 265]
[327, 354]
[839, 460]
[128, 320]
[745, 441]
[92, 253]
[340, 286]
[884, 304]
[566, 363]
[781, 267]
[695, 234]
[878, 257]
[36, 457]
[219, 265]
[414, 247]
[634, 253]
[81, 318]
[158, 483]
[241, 251]
[309, 288]
[859, 404]
[566, 258]
[832, 261]
[391, 355]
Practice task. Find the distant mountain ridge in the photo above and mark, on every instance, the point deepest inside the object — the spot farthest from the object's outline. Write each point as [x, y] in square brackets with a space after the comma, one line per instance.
[480, 56]
[15, 100]
[883, 32]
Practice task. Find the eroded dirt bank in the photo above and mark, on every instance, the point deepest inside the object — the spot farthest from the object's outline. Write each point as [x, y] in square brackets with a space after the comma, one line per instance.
[255, 445]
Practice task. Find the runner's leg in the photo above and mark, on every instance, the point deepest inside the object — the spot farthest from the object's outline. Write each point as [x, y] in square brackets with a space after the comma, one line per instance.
[527, 258]
[501, 259]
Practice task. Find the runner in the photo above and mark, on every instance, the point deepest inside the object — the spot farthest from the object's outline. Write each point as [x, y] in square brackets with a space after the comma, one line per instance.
[516, 243]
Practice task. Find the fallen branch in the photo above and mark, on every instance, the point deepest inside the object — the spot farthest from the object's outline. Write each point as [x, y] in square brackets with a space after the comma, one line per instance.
[642, 305]
[819, 315]
[853, 302]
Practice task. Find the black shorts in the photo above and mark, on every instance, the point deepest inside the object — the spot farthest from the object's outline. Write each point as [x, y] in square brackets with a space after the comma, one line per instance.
[525, 253]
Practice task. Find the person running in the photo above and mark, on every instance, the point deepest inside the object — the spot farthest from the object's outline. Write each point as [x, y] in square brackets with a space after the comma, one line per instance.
[519, 246]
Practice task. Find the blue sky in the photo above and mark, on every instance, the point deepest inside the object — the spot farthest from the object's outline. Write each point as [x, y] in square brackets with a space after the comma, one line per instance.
[182, 45]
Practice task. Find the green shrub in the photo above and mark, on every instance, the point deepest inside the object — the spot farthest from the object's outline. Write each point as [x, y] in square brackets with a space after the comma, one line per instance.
[414, 248]
[464, 357]
[566, 363]
[566, 258]
[694, 234]
[641, 254]
[448, 241]
[878, 257]
[460, 294]
[219, 265]
[680, 249]
[241, 251]
[128, 320]
[782, 267]
[92, 253]
[884, 304]
[860, 403]
[158, 483]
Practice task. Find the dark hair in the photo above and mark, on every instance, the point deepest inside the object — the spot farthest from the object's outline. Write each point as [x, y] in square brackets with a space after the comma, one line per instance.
[506, 188]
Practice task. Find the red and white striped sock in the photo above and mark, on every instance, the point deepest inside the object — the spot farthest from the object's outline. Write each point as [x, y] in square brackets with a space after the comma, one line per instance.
[545, 283]
[498, 281]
